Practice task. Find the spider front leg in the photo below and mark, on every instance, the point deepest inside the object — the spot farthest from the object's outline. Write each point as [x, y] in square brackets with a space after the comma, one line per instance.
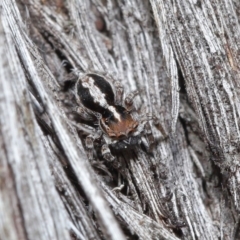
[148, 134]
[159, 126]
[107, 155]
[146, 131]
[156, 122]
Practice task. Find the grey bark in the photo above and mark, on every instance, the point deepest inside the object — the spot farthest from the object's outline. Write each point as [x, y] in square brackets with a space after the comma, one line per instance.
[183, 57]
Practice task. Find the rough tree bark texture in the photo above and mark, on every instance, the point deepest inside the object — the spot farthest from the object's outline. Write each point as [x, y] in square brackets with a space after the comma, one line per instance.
[183, 57]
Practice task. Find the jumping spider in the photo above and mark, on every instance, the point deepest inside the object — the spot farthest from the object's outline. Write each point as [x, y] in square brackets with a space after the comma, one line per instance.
[117, 123]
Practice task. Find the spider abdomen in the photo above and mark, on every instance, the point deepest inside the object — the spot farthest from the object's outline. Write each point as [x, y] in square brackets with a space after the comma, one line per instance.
[95, 93]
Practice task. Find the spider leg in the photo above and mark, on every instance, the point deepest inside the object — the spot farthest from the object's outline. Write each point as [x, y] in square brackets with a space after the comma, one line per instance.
[156, 122]
[118, 189]
[148, 134]
[120, 186]
[89, 142]
[82, 113]
[69, 82]
[129, 100]
[159, 126]
[107, 155]
[118, 93]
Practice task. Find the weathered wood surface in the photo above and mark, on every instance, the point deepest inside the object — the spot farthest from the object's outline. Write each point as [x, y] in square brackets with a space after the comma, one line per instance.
[183, 57]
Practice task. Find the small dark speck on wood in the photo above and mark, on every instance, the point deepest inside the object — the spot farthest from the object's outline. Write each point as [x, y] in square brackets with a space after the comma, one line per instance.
[183, 58]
